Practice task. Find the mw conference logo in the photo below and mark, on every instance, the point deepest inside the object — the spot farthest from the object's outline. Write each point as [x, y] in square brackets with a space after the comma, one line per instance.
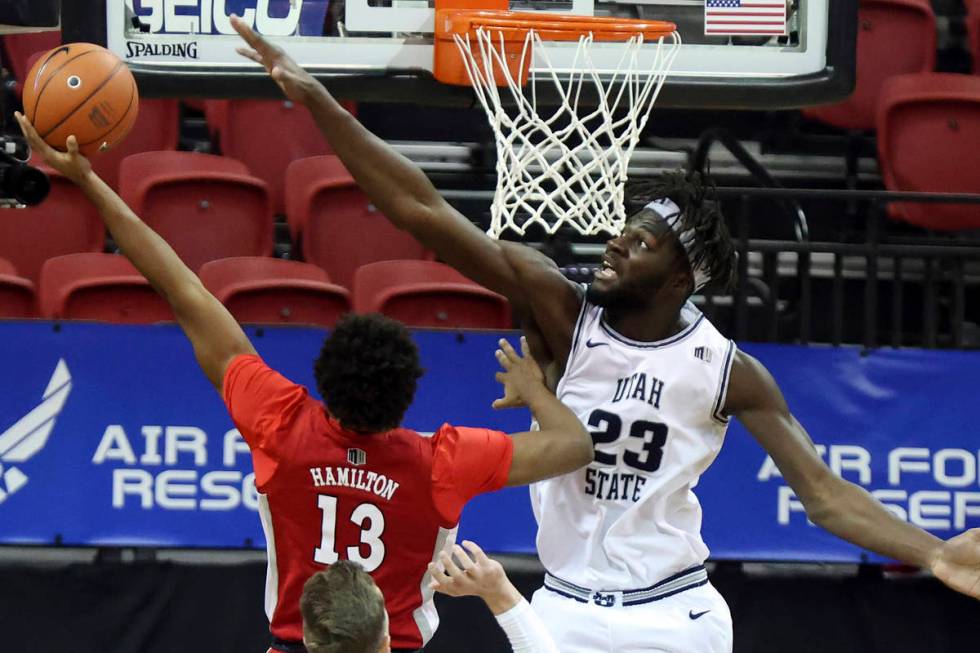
[30, 433]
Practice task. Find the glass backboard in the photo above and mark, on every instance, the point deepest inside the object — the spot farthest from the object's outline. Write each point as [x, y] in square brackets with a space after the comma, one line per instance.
[735, 53]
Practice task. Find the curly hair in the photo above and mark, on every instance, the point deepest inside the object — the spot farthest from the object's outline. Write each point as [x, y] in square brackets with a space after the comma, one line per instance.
[343, 611]
[694, 194]
[367, 372]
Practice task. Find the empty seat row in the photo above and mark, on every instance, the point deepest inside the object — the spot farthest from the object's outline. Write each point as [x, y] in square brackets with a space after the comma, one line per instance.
[107, 287]
[287, 131]
[895, 37]
[209, 207]
[928, 130]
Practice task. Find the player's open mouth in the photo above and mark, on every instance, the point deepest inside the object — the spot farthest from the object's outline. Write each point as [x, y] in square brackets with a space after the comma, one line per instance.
[606, 271]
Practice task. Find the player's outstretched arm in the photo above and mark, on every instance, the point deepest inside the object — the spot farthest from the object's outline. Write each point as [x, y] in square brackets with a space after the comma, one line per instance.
[841, 507]
[405, 195]
[216, 336]
[472, 573]
[562, 444]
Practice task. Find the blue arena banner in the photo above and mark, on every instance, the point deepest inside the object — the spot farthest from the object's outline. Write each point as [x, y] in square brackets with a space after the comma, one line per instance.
[111, 435]
[269, 17]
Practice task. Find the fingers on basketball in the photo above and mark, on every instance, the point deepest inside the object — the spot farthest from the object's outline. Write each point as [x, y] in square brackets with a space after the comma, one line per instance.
[27, 129]
[81, 90]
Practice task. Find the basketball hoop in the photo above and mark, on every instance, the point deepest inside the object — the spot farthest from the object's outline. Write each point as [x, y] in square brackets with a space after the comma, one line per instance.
[564, 166]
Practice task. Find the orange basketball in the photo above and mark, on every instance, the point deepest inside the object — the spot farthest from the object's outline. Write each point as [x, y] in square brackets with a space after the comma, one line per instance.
[81, 89]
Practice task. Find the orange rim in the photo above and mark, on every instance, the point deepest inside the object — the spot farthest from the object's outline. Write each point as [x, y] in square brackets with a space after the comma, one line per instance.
[550, 27]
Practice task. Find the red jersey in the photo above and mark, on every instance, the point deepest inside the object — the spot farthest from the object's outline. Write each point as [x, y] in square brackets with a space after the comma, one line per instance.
[390, 501]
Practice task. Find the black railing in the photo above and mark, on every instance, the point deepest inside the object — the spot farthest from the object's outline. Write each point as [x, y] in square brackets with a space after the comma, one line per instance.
[912, 290]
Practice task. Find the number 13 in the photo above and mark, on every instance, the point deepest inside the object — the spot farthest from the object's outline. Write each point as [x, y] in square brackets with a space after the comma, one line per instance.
[368, 513]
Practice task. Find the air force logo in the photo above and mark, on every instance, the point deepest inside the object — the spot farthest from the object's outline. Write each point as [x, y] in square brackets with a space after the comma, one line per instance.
[29, 434]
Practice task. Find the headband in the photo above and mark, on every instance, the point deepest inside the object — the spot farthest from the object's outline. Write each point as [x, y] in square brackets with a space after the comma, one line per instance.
[671, 213]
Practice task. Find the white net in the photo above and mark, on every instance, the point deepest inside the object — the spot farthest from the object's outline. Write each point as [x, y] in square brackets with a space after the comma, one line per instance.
[564, 165]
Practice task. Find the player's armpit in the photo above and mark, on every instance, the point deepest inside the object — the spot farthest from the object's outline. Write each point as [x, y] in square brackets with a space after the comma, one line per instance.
[551, 302]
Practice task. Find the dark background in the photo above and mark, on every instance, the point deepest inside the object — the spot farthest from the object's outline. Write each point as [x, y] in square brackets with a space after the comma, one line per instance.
[156, 607]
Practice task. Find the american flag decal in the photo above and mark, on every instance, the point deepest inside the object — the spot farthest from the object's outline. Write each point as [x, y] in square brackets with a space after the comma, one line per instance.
[356, 456]
[745, 17]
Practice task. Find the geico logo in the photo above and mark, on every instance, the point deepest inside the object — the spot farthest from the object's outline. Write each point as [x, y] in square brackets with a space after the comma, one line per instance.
[211, 16]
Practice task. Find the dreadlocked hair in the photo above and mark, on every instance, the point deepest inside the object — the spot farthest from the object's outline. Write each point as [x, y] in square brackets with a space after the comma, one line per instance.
[694, 193]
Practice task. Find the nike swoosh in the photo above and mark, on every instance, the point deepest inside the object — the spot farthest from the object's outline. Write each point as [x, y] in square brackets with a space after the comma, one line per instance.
[697, 615]
[590, 344]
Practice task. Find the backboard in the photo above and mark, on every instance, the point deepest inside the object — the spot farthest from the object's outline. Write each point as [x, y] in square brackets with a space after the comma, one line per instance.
[383, 49]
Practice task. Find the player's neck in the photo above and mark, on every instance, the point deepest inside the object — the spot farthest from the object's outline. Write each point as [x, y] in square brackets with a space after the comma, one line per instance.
[645, 325]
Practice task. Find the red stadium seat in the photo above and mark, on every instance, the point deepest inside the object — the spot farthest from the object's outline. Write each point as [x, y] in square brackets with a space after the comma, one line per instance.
[267, 135]
[64, 223]
[894, 37]
[928, 130]
[428, 294]
[16, 293]
[207, 207]
[268, 290]
[973, 32]
[157, 128]
[98, 287]
[336, 225]
[20, 48]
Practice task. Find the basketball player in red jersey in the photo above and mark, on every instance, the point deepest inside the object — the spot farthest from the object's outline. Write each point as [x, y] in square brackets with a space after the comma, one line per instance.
[345, 482]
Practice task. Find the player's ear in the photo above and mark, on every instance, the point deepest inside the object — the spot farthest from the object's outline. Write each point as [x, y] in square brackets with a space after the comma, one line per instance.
[683, 278]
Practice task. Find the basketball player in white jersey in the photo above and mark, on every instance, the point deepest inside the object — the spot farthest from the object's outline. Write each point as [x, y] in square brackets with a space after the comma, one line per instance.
[655, 382]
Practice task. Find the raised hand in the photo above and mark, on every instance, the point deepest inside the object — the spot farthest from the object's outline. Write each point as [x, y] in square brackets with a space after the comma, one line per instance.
[71, 163]
[473, 574]
[957, 563]
[296, 83]
[521, 376]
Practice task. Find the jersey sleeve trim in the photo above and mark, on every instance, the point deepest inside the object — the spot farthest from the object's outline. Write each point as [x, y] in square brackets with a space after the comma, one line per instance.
[726, 371]
[577, 332]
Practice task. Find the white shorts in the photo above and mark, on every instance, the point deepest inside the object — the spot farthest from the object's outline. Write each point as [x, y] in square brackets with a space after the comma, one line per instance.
[693, 621]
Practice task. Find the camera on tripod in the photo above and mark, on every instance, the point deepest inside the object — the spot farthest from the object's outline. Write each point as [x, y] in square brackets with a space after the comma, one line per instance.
[20, 184]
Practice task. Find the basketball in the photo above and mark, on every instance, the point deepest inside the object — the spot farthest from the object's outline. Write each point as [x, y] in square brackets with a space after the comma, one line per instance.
[81, 89]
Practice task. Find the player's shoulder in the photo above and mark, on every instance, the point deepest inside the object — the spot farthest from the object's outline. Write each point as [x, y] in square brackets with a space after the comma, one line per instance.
[751, 385]
[414, 442]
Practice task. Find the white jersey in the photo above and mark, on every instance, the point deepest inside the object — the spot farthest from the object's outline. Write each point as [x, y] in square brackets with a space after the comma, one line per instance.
[630, 519]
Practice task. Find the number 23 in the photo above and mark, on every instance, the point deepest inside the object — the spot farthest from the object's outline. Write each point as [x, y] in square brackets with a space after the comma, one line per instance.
[606, 429]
